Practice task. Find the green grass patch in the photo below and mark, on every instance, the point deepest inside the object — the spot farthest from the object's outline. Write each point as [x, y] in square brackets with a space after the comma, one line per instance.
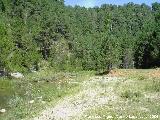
[128, 94]
[45, 88]
[153, 85]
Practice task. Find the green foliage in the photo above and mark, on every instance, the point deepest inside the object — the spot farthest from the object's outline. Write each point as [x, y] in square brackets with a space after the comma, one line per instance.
[131, 95]
[153, 86]
[76, 37]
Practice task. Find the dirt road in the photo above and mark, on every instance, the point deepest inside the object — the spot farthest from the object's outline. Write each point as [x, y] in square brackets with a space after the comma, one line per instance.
[92, 95]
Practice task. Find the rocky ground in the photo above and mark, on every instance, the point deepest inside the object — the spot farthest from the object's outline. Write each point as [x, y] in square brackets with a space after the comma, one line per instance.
[92, 95]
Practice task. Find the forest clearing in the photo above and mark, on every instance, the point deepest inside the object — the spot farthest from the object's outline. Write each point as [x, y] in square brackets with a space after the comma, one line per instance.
[122, 94]
[85, 60]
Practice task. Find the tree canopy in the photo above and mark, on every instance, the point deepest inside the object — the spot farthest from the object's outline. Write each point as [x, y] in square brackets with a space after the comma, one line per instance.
[67, 38]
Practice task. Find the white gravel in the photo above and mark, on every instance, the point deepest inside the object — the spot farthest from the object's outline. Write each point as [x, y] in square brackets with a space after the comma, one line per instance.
[73, 107]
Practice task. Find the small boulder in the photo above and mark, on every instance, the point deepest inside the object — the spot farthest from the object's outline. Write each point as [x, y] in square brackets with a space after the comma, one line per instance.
[43, 102]
[40, 97]
[31, 102]
[33, 71]
[2, 110]
[17, 75]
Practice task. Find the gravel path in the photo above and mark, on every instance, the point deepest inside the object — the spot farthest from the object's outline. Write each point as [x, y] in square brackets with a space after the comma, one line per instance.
[91, 96]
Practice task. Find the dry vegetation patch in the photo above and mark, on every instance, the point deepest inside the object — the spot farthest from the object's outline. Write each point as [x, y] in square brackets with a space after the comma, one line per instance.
[137, 97]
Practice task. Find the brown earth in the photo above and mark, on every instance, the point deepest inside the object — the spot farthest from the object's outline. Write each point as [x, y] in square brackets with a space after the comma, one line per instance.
[134, 72]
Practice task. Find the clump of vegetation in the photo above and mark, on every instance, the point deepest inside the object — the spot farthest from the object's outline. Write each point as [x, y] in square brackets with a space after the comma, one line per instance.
[132, 95]
[142, 77]
[153, 85]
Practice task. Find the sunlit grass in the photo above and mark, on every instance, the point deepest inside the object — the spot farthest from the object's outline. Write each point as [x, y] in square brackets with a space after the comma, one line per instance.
[43, 88]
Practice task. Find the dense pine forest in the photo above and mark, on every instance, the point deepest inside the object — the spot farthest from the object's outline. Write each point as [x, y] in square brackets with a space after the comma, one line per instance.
[34, 33]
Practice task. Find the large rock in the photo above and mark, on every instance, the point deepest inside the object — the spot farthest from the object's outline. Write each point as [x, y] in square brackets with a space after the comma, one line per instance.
[17, 75]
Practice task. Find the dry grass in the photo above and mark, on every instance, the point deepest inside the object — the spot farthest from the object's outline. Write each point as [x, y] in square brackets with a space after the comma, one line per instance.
[138, 96]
